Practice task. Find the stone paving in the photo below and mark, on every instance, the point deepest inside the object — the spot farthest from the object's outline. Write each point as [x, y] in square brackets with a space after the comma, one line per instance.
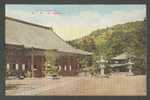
[34, 86]
[81, 86]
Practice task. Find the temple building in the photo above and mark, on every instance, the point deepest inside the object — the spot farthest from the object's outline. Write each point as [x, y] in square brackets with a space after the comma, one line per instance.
[119, 63]
[122, 63]
[26, 44]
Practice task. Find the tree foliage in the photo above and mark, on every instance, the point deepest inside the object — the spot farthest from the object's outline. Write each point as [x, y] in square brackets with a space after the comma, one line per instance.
[112, 41]
[50, 63]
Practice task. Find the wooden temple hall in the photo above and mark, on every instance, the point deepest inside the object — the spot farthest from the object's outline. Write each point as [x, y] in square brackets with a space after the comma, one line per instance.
[26, 44]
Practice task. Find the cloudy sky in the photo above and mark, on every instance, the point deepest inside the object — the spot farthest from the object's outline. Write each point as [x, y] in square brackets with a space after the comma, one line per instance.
[74, 21]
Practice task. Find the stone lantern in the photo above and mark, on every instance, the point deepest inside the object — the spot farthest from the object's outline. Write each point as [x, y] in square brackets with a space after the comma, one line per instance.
[101, 65]
[130, 66]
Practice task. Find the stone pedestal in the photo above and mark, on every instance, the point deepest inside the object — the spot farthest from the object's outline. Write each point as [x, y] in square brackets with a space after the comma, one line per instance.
[102, 67]
[130, 73]
[102, 72]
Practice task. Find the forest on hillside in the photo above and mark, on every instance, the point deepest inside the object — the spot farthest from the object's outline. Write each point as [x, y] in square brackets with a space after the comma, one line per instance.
[112, 41]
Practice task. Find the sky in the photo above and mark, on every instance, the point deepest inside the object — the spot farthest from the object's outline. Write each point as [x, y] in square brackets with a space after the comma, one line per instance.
[75, 21]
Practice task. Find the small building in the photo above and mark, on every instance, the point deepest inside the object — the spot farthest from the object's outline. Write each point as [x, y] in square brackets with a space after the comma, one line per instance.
[26, 44]
[126, 62]
[120, 63]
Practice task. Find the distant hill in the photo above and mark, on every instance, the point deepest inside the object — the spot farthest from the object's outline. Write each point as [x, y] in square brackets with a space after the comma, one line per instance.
[111, 41]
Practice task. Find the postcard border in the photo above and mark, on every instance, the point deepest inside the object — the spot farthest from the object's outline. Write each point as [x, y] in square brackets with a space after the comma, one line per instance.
[2, 52]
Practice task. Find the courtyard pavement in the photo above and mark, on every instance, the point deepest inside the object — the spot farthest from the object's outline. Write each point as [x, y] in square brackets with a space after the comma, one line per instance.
[78, 86]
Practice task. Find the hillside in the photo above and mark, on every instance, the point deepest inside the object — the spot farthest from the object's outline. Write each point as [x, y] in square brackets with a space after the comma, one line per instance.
[111, 41]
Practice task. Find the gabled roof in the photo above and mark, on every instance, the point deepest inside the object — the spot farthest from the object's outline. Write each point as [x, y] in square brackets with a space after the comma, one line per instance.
[20, 32]
[124, 56]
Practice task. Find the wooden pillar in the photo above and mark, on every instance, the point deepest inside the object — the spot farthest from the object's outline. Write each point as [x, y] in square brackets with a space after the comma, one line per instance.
[68, 62]
[59, 67]
[23, 67]
[75, 63]
[7, 67]
[70, 67]
[17, 67]
[44, 60]
[32, 61]
[43, 66]
[65, 68]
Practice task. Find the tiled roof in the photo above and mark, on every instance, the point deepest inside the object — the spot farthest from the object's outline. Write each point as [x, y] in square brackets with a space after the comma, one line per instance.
[20, 32]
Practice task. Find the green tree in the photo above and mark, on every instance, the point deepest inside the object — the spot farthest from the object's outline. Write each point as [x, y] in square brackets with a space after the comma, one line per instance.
[112, 41]
[50, 64]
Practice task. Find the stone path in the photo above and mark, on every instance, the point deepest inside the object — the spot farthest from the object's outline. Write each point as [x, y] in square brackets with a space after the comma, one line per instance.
[36, 85]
